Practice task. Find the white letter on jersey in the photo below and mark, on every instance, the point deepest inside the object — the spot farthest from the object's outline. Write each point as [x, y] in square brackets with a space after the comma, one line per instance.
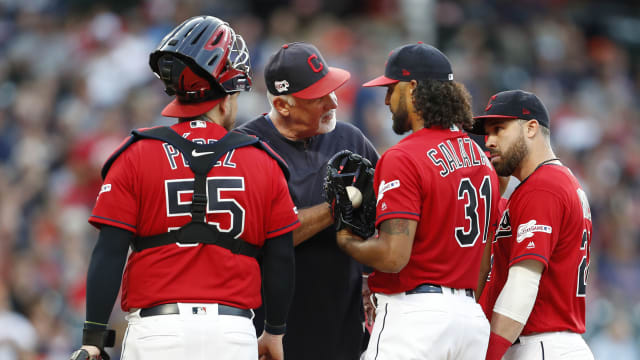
[586, 210]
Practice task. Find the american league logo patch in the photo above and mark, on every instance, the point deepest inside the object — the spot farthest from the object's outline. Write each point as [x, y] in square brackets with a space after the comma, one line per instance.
[526, 230]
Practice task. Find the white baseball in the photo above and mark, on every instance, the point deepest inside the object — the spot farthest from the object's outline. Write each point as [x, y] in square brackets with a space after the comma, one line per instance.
[355, 196]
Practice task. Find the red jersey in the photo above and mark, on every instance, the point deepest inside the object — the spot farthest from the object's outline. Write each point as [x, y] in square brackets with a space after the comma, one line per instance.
[484, 297]
[441, 179]
[148, 191]
[548, 220]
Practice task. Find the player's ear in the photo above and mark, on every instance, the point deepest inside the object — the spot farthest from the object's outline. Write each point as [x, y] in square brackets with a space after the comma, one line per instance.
[282, 106]
[225, 105]
[532, 127]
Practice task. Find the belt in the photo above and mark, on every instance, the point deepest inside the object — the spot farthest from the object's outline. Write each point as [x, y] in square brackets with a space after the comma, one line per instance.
[172, 309]
[435, 289]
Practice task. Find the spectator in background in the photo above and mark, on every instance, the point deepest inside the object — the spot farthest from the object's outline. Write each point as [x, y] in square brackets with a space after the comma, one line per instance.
[18, 337]
[617, 341]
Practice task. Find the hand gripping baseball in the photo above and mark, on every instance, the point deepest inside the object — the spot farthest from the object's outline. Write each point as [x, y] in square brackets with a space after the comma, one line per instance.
[346, 169]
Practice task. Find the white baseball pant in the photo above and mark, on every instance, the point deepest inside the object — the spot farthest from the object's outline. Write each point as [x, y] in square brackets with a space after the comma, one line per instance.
[428, 326]
[193, 334]
[562, 345]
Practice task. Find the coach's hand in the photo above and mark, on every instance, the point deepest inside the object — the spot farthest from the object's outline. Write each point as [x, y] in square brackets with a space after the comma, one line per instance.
[270, 347]
[369, 307]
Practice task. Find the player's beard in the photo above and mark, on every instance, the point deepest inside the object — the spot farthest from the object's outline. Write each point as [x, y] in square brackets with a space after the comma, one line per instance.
[327, 122]
[400, 117]
[509, 160]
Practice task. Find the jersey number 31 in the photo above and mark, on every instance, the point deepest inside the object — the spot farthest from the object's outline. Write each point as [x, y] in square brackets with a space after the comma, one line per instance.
[468, 235]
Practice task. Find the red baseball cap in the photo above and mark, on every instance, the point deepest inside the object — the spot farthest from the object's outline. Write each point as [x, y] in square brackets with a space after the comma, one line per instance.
[298, 69]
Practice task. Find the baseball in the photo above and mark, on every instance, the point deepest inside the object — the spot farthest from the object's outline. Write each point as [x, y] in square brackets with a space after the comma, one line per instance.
[354, 195]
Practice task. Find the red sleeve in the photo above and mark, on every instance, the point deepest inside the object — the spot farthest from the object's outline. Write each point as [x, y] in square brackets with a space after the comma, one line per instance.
[535, 217]
[283, 216]
[117, 204]
[398, 183]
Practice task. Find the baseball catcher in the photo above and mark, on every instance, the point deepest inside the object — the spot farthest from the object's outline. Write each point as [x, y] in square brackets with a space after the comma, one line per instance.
[346, 169]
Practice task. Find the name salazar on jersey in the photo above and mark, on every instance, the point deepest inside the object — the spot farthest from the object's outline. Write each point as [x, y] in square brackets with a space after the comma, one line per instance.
[446, 158]
[527, 229]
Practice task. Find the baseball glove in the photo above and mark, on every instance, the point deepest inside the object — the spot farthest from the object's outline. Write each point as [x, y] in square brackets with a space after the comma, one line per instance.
[348, 169]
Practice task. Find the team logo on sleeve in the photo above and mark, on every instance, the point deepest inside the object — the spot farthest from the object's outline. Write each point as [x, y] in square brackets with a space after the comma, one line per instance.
[504, 228]
[526, 230]
[384, 187]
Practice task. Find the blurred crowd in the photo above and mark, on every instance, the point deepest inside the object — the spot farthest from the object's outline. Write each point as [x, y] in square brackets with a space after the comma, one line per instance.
[74, 79]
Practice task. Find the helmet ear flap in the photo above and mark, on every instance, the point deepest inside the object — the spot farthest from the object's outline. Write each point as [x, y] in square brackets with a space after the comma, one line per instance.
[169, 70]
[165, 67]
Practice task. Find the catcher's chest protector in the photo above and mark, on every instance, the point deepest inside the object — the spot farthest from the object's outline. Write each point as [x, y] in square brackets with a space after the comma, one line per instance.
[198, 230]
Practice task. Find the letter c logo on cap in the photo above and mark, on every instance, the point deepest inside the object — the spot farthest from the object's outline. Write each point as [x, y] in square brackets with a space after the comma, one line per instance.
[489, 104]
[316, 65]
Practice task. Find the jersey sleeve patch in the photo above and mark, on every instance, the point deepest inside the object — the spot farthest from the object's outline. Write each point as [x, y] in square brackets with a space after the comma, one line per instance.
[527, 229]
[384, 187]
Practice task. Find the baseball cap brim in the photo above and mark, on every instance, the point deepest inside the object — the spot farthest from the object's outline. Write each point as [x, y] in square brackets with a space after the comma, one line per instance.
[181, 110]
[380, 81]
[495, 117]
[334, 79]
[478, 125]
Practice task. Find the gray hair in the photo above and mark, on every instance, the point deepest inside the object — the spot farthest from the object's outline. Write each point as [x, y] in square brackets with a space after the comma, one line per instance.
[288, 98]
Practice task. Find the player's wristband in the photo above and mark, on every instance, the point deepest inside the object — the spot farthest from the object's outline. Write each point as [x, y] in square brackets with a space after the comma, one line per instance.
[275, 329]
[497, 347]
[99, 338]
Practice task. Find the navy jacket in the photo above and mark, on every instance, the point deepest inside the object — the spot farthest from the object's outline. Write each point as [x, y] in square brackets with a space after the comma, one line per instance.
[325, 319]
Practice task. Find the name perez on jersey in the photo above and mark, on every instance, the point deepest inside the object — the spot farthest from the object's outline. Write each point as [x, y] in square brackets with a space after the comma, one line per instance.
[446, 157]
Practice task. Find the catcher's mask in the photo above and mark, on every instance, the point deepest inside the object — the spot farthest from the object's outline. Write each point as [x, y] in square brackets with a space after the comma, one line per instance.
[200, 62]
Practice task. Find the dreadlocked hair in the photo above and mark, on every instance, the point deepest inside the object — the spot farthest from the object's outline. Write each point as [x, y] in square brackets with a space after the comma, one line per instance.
[443, 103]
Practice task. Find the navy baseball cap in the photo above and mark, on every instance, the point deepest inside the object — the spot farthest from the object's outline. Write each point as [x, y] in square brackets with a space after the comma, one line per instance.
[512, 104]
[298, 69]
[414, 62]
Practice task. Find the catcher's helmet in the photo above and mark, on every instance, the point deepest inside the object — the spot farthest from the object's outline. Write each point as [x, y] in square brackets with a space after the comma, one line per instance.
[201, 61]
